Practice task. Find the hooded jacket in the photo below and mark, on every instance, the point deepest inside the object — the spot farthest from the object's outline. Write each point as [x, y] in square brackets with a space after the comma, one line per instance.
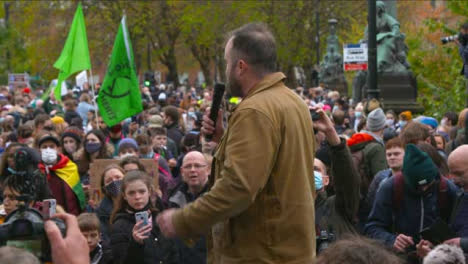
[415, 212]
[374, 160]
[374, 151]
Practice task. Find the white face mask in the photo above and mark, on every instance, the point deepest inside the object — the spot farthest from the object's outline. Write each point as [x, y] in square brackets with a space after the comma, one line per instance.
[443, 122]
[123, 156]
[49, 156]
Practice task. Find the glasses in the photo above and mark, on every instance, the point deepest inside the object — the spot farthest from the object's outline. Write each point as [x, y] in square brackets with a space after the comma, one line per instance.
[196, 166]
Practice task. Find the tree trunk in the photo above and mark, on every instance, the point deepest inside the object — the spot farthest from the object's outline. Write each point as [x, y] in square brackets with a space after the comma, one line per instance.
[171, 64]
[221, 66]
[205, 67]
[291, 80]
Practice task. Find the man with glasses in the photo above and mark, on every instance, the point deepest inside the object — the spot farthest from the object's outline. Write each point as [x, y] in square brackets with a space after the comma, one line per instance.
[195, 171]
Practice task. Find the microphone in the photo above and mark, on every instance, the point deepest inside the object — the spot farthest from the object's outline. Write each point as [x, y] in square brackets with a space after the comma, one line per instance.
[217, 98]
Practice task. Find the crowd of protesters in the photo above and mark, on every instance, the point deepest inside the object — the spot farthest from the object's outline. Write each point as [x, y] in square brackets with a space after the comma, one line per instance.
[378, 174]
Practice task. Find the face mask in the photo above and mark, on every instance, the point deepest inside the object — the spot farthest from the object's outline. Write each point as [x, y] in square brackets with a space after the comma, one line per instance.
[335, 108]
[49, 156]
[113, 188]
[12, 171]
[123, 156]
[149, 155]
[443, 122]
[358, 114]
[389, 122]
[402, 123]
[318, 180]
[92, 147]
[2, 119]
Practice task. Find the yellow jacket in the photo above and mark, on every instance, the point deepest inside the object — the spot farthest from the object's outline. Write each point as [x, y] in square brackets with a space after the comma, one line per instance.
[260, 208]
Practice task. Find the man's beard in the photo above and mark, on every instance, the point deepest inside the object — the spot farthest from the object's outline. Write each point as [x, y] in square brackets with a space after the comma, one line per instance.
[233, 86]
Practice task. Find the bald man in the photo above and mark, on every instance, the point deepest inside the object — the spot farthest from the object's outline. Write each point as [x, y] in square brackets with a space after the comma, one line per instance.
[195, 171]
[458, 166]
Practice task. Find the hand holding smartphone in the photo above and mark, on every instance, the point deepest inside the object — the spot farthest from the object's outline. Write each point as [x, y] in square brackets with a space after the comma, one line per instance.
[142, 228]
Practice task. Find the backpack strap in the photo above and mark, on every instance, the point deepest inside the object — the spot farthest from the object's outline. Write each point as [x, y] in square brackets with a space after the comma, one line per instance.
[398, 191]
[442, 198]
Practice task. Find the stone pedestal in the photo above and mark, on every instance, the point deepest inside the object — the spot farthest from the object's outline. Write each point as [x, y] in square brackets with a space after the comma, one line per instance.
[339, 85]
[398, 91]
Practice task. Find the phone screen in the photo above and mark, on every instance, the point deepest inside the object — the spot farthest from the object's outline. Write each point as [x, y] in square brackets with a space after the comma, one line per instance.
[33, 246]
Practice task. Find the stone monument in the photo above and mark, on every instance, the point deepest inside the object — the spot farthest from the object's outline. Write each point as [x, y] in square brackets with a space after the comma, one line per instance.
[331, 68]
[397, 85]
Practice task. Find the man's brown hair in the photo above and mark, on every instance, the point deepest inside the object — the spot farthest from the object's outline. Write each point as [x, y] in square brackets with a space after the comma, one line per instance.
[414, 132]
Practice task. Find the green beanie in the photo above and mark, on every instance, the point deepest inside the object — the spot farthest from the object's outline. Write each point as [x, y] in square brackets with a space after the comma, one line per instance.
[418, 167]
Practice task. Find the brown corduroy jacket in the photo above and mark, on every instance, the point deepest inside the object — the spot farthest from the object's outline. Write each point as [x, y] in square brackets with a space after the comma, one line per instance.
[261, 207]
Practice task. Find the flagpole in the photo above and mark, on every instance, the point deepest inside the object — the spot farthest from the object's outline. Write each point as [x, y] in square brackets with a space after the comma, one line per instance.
[94, 97]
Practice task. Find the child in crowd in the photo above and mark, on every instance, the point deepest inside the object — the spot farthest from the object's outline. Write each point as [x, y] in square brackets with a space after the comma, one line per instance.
[99, 253]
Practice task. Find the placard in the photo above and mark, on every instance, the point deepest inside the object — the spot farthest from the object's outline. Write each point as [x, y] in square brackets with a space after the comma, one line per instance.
[98, 166]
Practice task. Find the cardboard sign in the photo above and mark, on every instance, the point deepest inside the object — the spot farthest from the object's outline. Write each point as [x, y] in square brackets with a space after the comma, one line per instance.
[98, 166]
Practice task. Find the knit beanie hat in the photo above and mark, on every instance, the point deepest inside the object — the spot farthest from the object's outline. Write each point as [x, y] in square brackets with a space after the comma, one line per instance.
[418, 168]
[430, 121]
[128, 143]
[376, 120]
[74, 133]
[445, 254]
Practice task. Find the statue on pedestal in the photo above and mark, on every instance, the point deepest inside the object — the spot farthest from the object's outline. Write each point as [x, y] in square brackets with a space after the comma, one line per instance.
[331, 68]
[393, 69]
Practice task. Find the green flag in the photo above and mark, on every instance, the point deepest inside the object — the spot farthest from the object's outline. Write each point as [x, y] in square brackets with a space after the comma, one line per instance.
[119, 96]
[75, 53]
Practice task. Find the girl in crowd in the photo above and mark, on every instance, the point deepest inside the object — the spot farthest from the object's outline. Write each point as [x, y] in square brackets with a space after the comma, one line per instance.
[7, 162]
[94, 147]
[111, 182]
[71, 141]
[131, 241]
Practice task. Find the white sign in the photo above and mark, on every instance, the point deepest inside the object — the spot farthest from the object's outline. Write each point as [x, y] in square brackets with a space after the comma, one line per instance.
[18, 78]
[355, 57]
[81, 79]
[64, 90]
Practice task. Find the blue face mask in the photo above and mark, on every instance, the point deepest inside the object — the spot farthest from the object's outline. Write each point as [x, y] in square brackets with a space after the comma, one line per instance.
[12, 171]
[148, 155]
[358, 114]
[318, 180]
[402, 123]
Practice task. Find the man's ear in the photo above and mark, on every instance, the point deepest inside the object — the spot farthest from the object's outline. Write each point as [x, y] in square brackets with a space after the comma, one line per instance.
[242, 66]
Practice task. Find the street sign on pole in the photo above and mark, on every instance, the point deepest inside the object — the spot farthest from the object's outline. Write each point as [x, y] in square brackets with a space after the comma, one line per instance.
[18, 80]
[355, 57]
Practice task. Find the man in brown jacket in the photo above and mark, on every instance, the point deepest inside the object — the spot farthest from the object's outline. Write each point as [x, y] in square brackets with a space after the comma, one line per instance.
[261, 207]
